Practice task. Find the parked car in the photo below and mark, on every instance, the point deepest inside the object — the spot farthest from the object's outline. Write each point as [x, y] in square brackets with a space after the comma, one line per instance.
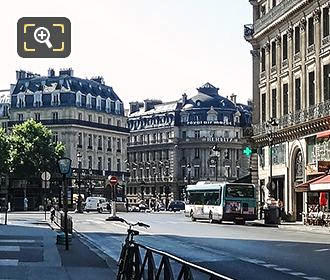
[133, 208]
[143, 207]
[99, 204]
[176, 205]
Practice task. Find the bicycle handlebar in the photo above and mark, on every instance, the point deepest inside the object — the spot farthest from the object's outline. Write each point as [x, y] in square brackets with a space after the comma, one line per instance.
[139, 224]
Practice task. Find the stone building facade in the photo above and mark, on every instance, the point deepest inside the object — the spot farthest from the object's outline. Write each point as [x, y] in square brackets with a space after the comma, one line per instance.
[171, 144]
[291, 97]
[86, 115]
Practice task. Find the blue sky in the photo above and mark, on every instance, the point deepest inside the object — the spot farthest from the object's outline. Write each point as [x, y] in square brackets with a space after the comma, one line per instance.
[143, 48]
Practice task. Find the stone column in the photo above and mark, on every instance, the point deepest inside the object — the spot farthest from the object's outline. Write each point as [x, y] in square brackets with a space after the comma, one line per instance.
[278, 72]
[267, 72]
[255, 78]
[303, 48]
[290, 66]
[317, 46]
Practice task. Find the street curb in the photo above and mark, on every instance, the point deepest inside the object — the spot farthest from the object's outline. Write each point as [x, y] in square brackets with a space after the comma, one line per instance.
[262, 225]
[111, 263]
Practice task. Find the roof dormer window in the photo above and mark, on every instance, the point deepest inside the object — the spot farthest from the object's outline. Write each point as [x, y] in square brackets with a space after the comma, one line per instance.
[78, 99]
[56, 100]
[117, 106]
[108, 105]
[20, 100]
[37, 99]
[89, 101]
[98, 102]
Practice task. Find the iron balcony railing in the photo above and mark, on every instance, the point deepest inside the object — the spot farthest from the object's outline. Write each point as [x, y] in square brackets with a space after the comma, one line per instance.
[275, 13]
[315, 112]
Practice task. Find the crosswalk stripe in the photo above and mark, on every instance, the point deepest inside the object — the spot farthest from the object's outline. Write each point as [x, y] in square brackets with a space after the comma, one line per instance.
[9, 249]
[17, 241]
[8, 262]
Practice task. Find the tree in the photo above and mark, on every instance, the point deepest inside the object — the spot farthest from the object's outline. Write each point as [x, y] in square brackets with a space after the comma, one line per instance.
[32, 150]
[4, 152]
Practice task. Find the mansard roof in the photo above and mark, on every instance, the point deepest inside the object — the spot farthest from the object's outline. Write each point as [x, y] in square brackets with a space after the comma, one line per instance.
[66, 82]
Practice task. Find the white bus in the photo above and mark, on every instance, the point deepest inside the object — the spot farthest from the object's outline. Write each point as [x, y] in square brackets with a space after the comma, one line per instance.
[221, 202]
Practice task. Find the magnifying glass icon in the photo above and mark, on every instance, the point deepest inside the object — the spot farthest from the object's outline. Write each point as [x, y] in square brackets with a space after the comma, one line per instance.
[42, 35]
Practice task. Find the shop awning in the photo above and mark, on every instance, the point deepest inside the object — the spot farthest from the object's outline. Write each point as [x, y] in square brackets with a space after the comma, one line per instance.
[305, 187]
[323, 134]
[322, 184]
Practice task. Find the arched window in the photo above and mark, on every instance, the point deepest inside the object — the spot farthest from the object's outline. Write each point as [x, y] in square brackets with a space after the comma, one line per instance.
[117, 106]
[37, 99]
[78, 99]
[298, 166]
[98, 102]
[20, 100]
[89, 101]
[108, 105]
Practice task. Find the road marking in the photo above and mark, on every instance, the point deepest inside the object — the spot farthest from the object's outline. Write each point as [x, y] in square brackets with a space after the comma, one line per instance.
[17, 241]
[283, 269]
[297, 273]
[322, 250]
[313, 278]
[269, 265]
[8, 262]
[255, 261]
[9, 248]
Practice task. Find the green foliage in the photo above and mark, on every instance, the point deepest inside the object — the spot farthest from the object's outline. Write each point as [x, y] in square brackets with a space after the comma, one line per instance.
[4, 152]
[32, 150]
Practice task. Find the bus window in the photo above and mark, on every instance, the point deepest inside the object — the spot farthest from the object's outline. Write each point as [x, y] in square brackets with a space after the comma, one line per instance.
[196, 198]
[211, 198]
[243, 191]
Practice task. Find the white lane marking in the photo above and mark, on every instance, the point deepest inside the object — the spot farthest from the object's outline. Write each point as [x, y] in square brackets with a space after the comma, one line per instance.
[322, 250]
[9, 249]
[313, 278]
[269, 265]
[17, 241]
[297, 273]
[283, 269]
[8, 262]
[255, 261]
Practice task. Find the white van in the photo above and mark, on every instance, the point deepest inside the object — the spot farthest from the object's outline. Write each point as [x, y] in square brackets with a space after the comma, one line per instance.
[99, 204]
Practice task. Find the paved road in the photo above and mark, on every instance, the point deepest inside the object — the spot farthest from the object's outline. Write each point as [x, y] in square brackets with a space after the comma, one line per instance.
[239, 252]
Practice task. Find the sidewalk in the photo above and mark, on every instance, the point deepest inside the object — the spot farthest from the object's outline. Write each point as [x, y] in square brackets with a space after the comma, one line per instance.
[28, 251]
[293, 226]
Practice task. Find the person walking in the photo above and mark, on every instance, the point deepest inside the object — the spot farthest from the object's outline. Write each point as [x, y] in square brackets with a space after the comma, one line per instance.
[26, 201]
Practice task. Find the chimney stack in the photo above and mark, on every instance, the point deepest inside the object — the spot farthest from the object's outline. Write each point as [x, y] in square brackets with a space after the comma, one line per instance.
[51, 72]
[184, 98]
[233, 98]
[134, 107]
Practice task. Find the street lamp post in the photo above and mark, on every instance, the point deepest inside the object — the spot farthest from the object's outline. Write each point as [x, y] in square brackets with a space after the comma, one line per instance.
[79, 208]
[64, 165]
[189, 173]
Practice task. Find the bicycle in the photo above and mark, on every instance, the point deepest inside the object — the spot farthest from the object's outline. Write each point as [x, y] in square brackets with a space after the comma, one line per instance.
[128, 265]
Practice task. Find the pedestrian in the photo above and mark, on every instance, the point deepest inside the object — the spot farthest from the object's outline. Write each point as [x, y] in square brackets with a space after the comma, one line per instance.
[26, 203]
[52, 214]
[126, 204]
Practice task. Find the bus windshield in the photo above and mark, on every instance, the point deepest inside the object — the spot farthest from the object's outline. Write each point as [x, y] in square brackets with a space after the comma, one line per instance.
[204, 198]
[240, 191]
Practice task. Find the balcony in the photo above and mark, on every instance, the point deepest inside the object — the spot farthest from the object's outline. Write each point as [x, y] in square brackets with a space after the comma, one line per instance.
[275, 13]
[307, 115]
[310, 50]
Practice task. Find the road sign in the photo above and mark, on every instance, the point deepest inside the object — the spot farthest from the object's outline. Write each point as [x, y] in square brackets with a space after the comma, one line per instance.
[113, 180]
[45, 176]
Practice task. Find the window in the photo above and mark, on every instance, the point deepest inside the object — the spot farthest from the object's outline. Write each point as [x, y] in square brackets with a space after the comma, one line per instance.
[325, 22]
[109, 144]
[285, 99]
[78, 99]
[263, 59]
[273, 53]
[118, 123]
[274, 3]
[196, 152]
[55, 99]
[297, 39]
[153, 153]
[226, 134]
[90, 118]
[55, 116]
[99, 143]
[274, 102]
[99, 163]
[80, 116]
[326, 82]
[311, 88]
[297, 95]
[55, 137]
[98, 102]
[90, 162]
[89, 101]
[148, 139]
[37, 99]
[90, 141]
[108, 105]
[147, 156]
[79, 140]
[285, 47]
[109, 164]
[118, 145]
[310, 31]
[20, 100]
[37, 117]
[263, 107]
[160, 137]
[160, 155]
[20, 117]
[196, 172]
[197, 134]
[184, 134]
[167, 154]
[118, 164]
[109, 121]
[99, 119]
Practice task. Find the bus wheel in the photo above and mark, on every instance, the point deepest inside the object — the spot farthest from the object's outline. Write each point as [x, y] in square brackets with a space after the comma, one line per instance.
[240, 222]
[211, 221]
[193, 219]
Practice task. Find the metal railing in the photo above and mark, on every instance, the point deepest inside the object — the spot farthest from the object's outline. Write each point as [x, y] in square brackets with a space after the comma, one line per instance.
[59, 221]
[170, 267]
